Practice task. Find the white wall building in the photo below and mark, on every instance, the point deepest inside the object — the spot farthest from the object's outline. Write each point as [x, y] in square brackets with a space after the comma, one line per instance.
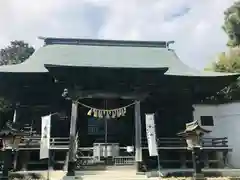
[224, 121]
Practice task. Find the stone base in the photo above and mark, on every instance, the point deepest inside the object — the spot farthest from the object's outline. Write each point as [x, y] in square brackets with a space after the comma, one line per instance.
[198, 176]
[71, 168]
[140, 168]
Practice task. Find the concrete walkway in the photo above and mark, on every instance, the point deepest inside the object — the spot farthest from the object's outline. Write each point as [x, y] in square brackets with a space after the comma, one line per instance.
[113, 173]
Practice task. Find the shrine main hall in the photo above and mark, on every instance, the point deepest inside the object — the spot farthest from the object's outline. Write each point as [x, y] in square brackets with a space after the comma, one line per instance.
[98, 92]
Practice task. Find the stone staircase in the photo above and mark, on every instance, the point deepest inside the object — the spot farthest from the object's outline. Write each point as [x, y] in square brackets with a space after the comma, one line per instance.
[112, 173]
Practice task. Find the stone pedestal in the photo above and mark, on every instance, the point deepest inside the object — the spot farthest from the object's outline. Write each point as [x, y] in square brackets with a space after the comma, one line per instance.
[196, 155]
[71, 168]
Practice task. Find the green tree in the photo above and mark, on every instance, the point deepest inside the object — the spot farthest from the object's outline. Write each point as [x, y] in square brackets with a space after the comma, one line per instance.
[232, 24]
[228, 61]
[17, 52]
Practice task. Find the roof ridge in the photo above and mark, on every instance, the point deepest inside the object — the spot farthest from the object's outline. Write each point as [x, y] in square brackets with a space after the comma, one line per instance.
[105, 42]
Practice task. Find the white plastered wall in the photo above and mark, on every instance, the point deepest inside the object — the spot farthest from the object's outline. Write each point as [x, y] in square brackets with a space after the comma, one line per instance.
[226, 119]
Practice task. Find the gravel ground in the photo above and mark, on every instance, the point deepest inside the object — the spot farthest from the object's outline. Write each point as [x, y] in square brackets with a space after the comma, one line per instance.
[58, 175]
[41, 175]
[212, 178]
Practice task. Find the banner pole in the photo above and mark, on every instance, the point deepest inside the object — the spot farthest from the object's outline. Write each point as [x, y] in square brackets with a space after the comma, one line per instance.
[48, 173]
[159, 167]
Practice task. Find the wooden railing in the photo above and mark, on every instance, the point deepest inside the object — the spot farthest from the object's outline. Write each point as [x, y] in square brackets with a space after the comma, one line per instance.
[172, 144]
[215, 142]
[34, 143]
[165, 143]
[179, 142]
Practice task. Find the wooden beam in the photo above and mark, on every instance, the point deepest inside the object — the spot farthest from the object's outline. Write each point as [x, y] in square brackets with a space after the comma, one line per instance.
[112, 95]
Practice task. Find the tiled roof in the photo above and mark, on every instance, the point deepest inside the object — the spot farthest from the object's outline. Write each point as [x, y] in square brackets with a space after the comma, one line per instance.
[106, 53]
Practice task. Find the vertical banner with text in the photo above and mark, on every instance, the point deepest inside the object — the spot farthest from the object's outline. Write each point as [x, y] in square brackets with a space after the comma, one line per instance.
[151, 135]
[45, 137]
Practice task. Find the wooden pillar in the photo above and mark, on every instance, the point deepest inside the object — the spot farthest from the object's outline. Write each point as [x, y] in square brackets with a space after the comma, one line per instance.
[65, 166]
[23, 159]
[72, 137]
[183, 160]
[51, 160]
[138, 136]
[16, 115]
[7, 163]
[220, 158]
[205, 159]
[15, 160]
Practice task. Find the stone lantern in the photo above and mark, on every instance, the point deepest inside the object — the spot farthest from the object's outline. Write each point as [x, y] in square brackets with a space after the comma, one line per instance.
[192, 135]
[11, 136]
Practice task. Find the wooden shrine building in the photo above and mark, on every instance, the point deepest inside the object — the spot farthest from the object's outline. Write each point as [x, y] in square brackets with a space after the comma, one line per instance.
[75, 77]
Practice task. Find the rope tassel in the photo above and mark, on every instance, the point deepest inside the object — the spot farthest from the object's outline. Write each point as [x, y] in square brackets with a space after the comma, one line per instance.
[90, 112]
[95, 113]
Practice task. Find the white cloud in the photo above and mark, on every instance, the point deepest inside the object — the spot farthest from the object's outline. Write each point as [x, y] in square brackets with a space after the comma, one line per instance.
[198, 33]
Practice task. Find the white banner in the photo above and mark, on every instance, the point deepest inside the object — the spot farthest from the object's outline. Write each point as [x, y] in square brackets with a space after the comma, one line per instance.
[151, 135]
[15, 116]
[45, 137]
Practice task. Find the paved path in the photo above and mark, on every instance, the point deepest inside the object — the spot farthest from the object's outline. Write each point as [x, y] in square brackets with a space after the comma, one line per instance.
[112, 173]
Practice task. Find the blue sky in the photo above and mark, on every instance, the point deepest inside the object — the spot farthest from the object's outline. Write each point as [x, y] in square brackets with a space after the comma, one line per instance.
[195, 25]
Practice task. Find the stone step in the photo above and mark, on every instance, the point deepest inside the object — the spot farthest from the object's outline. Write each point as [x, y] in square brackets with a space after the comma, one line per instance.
[113, 174]
[119, 178]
